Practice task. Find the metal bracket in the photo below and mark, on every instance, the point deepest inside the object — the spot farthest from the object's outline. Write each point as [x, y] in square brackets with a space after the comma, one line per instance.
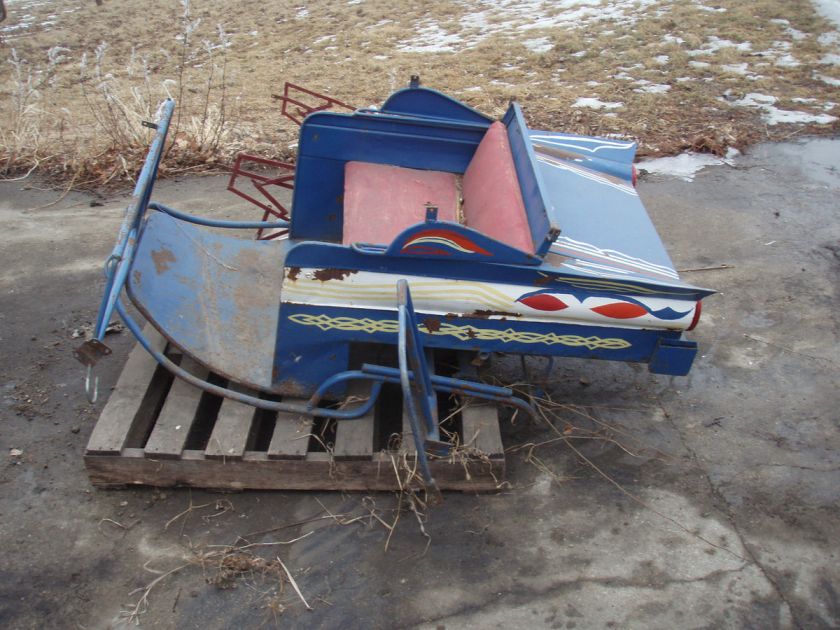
[90, 352]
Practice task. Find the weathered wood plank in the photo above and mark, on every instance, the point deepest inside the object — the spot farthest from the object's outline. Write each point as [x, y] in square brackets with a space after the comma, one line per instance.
[173, 425]
[354, 438]
[290, 439]
[114, 424]
[481, 428]
[230, 432]
[256, 471]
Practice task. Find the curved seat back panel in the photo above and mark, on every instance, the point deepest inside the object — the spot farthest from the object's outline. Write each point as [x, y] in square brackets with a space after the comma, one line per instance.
[492, 199]
[215, 297]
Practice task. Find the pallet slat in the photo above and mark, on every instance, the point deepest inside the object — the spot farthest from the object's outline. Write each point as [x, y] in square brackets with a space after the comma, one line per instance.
[230, 433]
[256, 472]
[111, 430]
[481, 428]
[354, 438]
[290, 439]
[169, 437]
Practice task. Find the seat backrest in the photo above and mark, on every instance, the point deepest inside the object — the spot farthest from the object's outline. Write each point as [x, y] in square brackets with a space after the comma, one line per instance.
[493, 202]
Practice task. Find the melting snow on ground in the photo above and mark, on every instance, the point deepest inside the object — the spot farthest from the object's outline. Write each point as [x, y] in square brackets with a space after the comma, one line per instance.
[594, 103]
[772, 115]
[486, 18]
[431, 38]
[686, 165]
[829, 9]
[538, 45]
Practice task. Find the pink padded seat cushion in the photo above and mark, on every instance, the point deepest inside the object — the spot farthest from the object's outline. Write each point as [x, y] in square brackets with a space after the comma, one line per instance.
[380, 201]
[492, 200]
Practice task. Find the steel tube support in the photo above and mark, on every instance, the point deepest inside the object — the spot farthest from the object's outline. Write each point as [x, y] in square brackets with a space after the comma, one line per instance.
[217, 223]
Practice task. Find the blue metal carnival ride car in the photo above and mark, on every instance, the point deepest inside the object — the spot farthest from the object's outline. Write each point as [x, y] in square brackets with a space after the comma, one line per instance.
[422, 224]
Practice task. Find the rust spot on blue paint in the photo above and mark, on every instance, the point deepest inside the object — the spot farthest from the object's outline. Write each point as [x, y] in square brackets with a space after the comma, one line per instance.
[162, 257]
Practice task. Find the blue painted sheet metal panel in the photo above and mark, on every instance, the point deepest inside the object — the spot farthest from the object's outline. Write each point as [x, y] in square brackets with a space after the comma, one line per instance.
[621, 152]
[541, 219]
[605, 226]
[214, 296]
[490, 335]
[318, 199]
[328, 141]
[454, 242]
[673, 357]
[431, 103]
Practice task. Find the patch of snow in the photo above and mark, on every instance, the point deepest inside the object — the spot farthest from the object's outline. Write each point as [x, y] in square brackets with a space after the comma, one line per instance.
[594, 103]
[829, 9]
[715, 43]
[514, 18]
[775, 116]
[795, 34]
[380, 57]
[684, 166]
[699, 64]
[653, 88]
[538, 45]
[787, 61]
[832, 59]
[829, 39]
[828, 80]
[703, 7]
[430, 37]
[325, 38]
[673, 39]
[736, 68]
[302, 12]
[661, 59]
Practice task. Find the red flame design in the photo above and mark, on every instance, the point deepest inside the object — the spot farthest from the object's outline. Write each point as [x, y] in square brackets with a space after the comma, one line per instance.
[544, 302]
[620, 310]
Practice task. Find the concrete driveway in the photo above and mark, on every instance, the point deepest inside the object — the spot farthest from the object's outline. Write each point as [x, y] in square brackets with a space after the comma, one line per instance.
[714, 502]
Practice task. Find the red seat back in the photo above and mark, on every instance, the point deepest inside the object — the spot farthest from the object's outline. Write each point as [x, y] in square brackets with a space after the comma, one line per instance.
[493, 202]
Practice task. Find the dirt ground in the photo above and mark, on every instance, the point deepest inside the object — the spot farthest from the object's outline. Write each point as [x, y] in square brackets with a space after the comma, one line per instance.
[726, 515]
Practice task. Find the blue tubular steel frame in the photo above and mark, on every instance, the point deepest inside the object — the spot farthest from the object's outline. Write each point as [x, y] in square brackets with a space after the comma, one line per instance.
[377, 374]
[418, 394]
[418, 383]
[123, 251]
[217, 223]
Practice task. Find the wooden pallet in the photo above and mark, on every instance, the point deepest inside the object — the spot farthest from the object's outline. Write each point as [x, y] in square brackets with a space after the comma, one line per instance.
[160, 431]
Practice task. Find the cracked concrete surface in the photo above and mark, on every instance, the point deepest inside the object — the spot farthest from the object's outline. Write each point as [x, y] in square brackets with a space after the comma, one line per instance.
[730, 502]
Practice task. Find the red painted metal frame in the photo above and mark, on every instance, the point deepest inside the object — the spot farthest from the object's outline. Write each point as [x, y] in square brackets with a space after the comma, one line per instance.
[296, 110]
[261, 182]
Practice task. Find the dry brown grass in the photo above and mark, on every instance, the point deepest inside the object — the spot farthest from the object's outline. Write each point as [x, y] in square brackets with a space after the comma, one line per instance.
[56, 115]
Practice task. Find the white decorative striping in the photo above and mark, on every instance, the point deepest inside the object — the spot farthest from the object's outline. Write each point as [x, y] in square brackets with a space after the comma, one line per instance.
[445, 297]
[587, 173]
[557, 139]
[571, 247]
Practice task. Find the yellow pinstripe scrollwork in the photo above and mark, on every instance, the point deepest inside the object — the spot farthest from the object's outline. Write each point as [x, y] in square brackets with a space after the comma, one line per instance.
[464, 333]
